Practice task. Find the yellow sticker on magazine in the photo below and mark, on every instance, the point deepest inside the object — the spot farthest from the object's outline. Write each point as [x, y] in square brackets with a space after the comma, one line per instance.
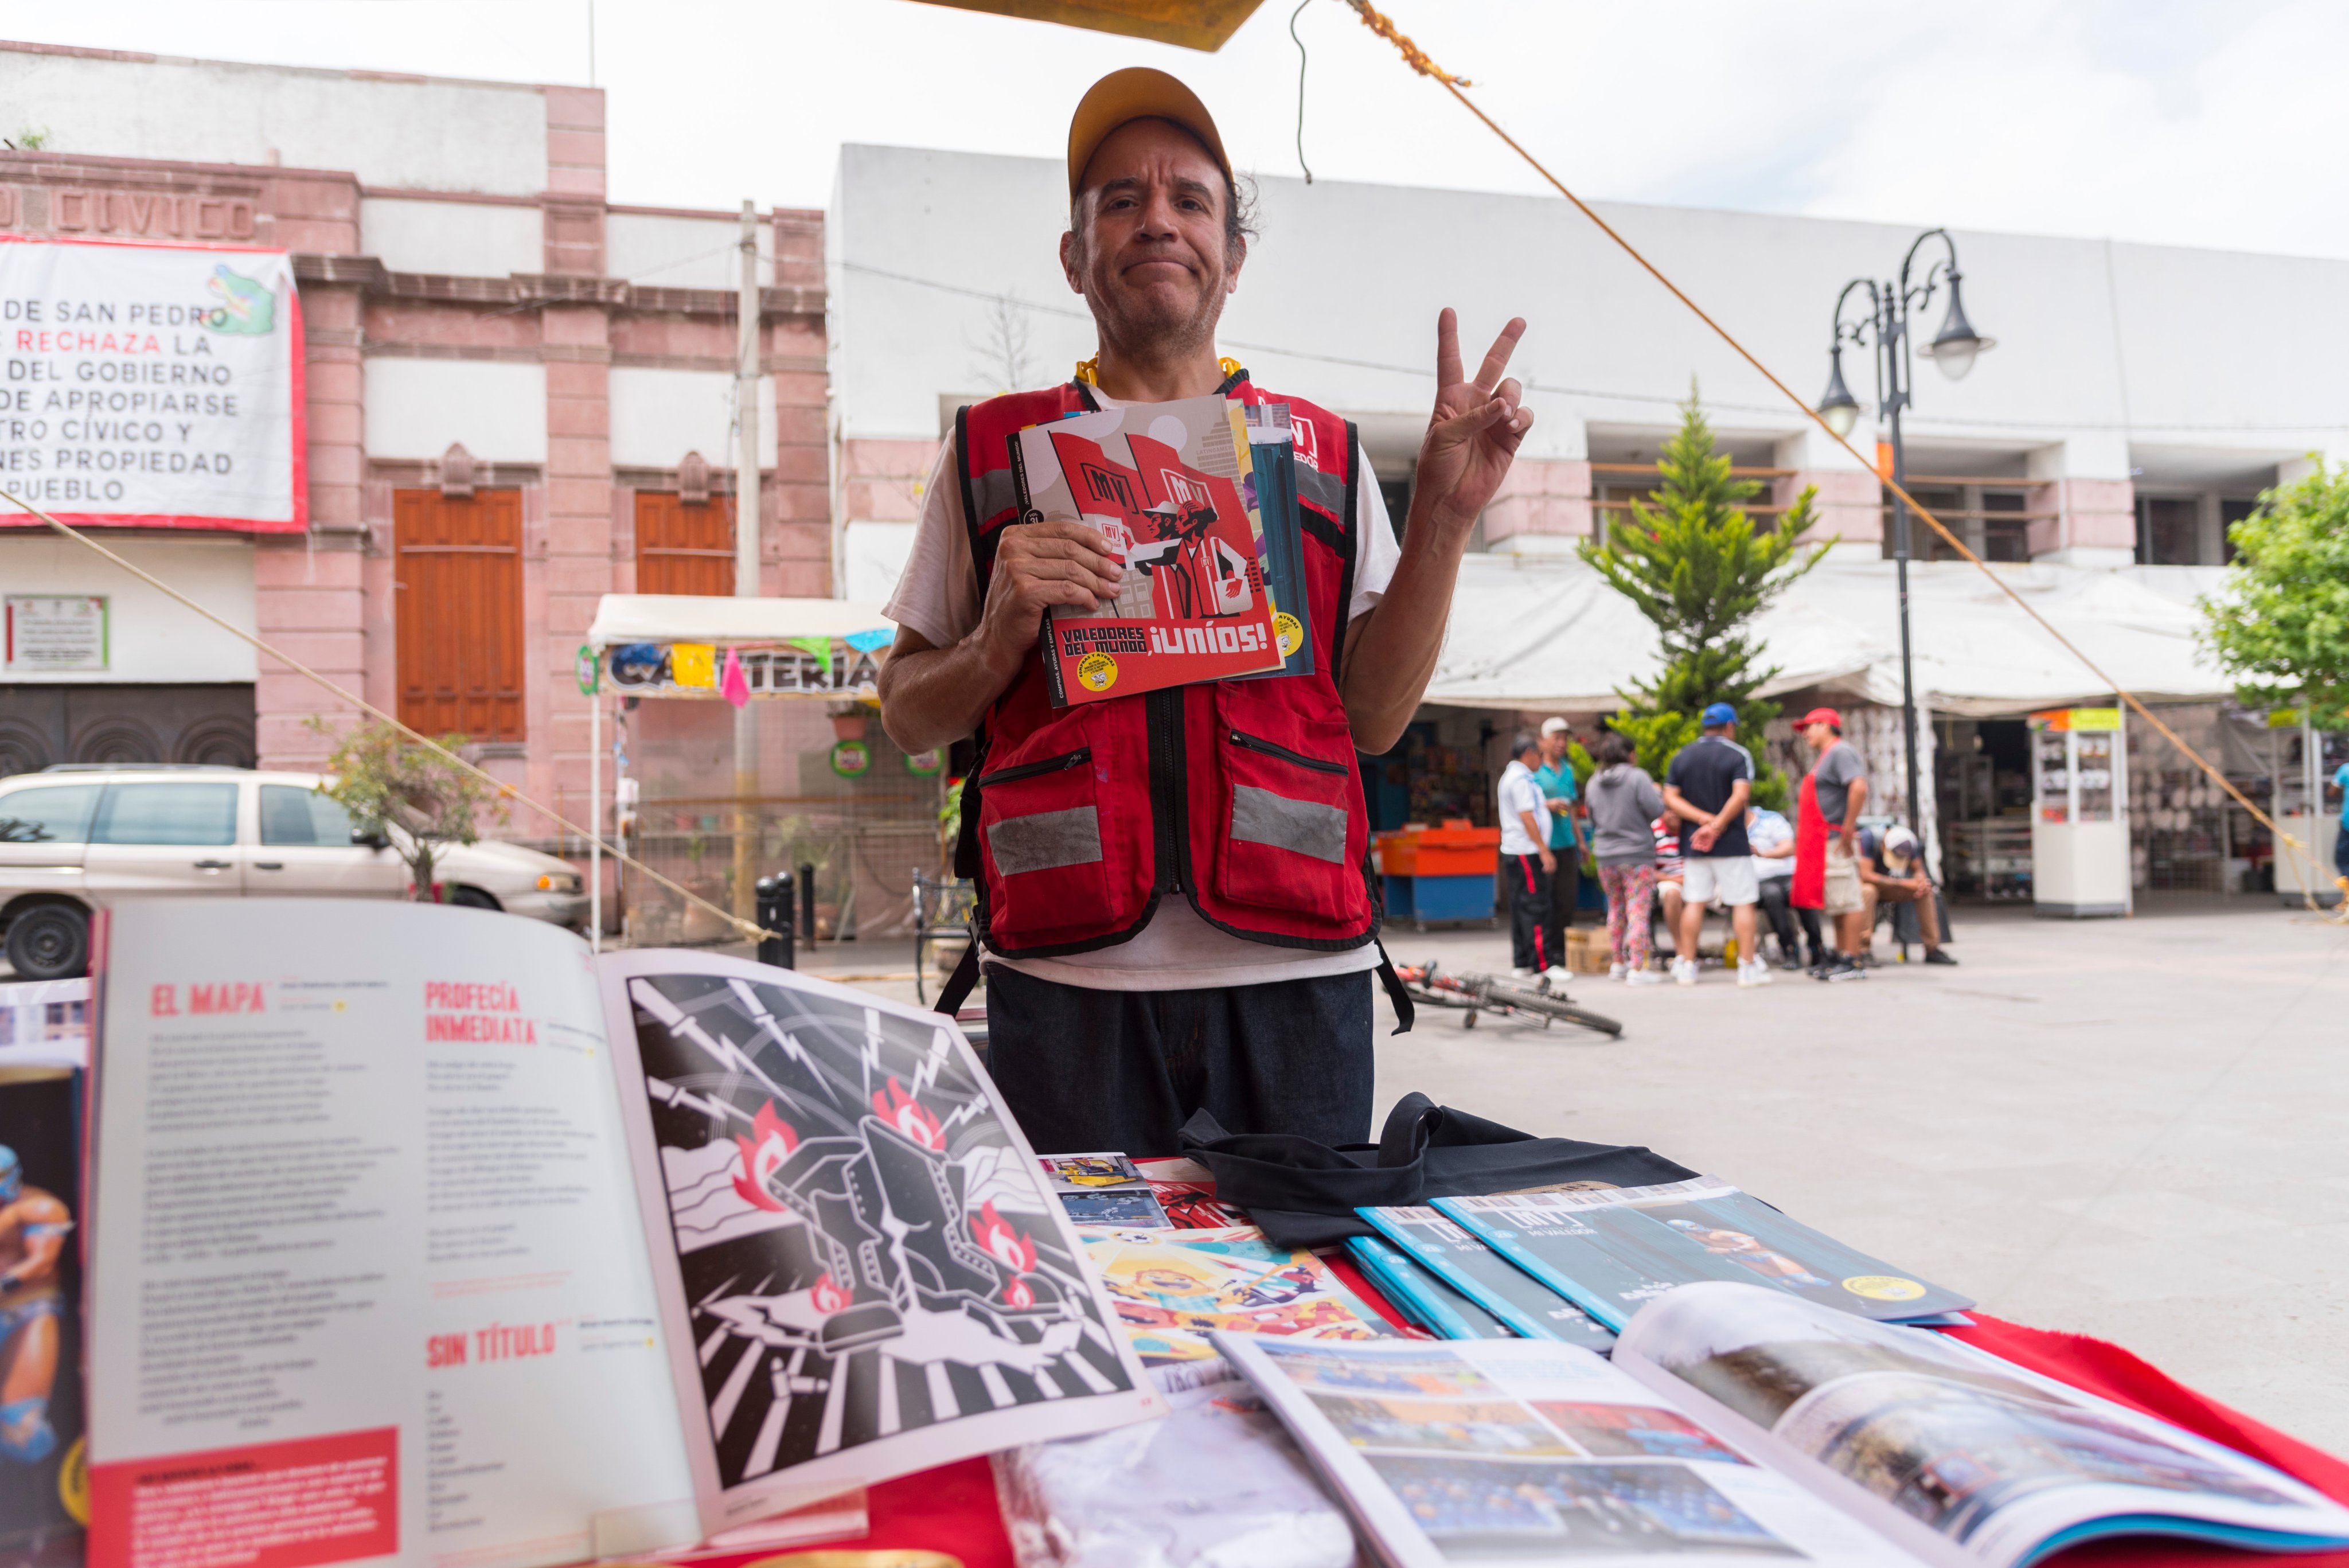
[1098, 671]
[1291, 635]
[1884, 1287]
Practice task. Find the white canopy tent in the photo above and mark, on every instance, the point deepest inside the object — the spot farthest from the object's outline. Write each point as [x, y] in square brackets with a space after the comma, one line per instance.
[1546, 632]
[622, 620]
[695, 617]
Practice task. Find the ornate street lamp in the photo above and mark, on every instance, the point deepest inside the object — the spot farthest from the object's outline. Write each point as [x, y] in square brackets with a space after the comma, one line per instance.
[1885, 330]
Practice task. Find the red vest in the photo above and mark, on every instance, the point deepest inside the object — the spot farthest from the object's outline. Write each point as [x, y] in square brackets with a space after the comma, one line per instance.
[1241, 796]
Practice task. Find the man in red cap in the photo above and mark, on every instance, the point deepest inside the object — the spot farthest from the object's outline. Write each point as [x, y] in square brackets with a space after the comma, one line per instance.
[1827, 827]
[1174, 894]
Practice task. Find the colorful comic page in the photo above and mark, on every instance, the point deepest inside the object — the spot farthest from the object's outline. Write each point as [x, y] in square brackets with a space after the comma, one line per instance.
[1174, 1288]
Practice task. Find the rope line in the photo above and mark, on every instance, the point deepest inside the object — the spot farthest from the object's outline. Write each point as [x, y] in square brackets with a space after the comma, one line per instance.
[1300, 88]
[747, 930]
[1417, 59]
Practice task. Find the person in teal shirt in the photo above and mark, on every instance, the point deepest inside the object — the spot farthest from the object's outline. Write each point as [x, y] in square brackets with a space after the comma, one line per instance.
[1556, 777]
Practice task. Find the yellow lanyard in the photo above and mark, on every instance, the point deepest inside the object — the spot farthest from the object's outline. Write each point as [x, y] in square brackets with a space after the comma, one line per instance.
[1089, 370]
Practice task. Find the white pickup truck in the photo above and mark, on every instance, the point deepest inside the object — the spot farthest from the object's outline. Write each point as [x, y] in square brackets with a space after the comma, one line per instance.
[75, 838]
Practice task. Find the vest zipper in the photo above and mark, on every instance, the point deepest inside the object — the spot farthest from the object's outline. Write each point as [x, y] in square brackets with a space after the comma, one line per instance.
[1251, 744]
[1171, 830]
[1029, 770]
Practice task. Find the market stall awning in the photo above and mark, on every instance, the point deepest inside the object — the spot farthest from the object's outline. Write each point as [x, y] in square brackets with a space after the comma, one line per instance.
[1546, 632]
[700, 617]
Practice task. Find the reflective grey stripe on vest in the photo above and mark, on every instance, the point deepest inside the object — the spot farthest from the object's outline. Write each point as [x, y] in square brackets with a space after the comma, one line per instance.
[1046, 841]
[996, 492]
[1325, 491]
[1261, 817]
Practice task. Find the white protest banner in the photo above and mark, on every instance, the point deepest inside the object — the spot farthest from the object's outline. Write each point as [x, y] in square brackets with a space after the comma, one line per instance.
[155, 386]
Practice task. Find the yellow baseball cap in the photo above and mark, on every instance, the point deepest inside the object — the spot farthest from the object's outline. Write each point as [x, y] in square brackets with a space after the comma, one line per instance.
[1134, 93]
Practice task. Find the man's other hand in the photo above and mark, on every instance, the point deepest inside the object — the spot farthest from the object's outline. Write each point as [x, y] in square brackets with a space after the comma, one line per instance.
[1703, 838]
[1549, 862]
[1040, 566]
[1474, 432]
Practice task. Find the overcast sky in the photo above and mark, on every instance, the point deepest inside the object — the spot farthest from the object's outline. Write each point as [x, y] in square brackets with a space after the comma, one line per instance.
[2218, 123]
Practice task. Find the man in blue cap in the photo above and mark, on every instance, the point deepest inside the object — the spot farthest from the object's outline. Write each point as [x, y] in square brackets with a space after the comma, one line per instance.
[1709, 785]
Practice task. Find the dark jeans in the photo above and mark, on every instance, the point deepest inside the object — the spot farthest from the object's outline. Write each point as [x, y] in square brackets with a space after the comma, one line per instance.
[1531, 945]
[1086, 1069]
[1775, 894]
[1565, 887]
[2341, 850]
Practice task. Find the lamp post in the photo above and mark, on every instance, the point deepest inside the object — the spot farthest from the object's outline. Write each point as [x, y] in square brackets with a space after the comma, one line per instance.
[1885, 329]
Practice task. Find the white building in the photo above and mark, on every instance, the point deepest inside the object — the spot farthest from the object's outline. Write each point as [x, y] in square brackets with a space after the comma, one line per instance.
[2139, 397]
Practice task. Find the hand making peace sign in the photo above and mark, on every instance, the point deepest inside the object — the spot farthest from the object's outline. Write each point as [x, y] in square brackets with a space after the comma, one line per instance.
[1474, 432]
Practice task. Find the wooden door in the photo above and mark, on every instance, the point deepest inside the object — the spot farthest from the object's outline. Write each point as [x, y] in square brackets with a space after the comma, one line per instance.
[683, 549]
[459, 617]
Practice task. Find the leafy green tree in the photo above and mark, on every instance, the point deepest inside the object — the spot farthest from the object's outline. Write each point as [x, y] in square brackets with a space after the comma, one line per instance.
[398, 793]
[1700, 567]
[2279, 626]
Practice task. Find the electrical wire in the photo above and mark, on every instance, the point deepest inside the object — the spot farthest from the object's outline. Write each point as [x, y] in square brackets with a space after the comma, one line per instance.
[1552, 389]
[1418, 60]
[1300, 88]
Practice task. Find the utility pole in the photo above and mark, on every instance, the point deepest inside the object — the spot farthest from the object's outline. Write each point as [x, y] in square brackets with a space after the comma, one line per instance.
[746, 561]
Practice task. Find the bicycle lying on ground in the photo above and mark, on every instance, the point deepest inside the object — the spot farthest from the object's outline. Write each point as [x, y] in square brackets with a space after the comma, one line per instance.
[1476, 993]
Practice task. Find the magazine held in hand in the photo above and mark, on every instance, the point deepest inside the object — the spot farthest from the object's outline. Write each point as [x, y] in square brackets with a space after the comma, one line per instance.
[423, 1230]
[1171, 488]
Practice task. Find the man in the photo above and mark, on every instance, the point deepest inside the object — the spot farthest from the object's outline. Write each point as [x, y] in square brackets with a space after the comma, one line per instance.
[33, 1229]
[1556, 777]
[1836, 790]
[1527, 862]
[1709, 784]
[1174, 918]
[1893, 872]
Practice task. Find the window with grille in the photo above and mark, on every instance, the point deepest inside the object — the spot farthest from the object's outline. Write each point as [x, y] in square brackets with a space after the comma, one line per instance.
[458, 620]
[684, 548]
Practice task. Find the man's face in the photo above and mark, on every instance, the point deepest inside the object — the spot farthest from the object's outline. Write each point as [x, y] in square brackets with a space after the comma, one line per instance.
[1819, 737]
[1553, 746]
[1149, 254]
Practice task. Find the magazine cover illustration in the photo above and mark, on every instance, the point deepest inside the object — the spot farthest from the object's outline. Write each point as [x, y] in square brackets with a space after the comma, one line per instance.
[1167, 487]
[1174, 1288]
[866, 1246]
[43, 1496]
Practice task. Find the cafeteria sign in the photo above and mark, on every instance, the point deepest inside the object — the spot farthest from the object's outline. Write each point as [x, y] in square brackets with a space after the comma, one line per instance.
[155, 386]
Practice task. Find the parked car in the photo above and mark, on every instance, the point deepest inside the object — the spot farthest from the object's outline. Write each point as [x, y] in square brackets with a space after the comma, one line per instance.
[76, 838]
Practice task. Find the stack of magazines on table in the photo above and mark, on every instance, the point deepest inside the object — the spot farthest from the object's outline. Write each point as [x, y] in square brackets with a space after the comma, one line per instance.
[431, 1239]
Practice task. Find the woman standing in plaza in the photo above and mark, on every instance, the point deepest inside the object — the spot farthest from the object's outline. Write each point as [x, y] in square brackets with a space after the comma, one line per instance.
[1623, 802]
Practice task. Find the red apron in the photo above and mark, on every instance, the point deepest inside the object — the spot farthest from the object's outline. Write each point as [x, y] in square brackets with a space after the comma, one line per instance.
[1810, 888]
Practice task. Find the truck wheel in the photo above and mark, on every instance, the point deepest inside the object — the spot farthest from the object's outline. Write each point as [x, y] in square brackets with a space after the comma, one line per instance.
[49, 941]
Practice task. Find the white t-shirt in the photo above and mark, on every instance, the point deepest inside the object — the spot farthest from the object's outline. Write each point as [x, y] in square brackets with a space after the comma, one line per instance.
[938, 597]
[1519, 792]
[1768, 830]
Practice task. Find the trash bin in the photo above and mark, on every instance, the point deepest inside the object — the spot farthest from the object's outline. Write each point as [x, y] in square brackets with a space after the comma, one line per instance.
[775, 914]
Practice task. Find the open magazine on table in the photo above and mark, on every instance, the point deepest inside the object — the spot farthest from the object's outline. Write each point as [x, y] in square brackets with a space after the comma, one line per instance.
[1736, 1424]
[1959, 1457]
[1611, 1250]
[422, 1228]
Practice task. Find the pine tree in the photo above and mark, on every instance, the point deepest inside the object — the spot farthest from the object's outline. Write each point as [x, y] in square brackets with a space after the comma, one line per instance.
[1699, 568]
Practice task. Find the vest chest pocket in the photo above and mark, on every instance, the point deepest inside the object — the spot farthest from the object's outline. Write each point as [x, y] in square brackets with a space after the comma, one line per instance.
[1289, 842]
[1040, 827]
